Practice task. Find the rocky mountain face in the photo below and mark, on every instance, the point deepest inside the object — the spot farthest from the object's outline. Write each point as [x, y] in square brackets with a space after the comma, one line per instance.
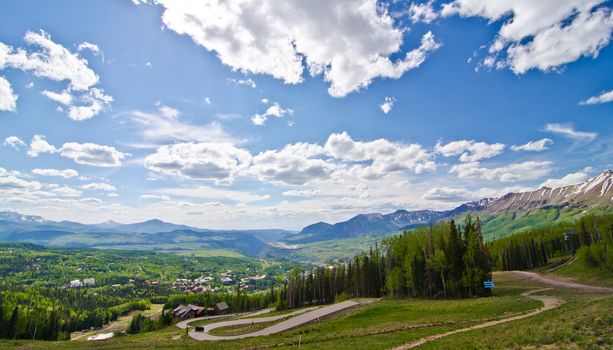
[592, 193]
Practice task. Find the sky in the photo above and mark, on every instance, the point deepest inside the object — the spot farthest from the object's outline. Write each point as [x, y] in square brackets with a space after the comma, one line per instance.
[278, 114]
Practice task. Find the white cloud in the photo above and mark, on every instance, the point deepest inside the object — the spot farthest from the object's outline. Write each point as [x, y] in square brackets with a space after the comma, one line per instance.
[12, 182]
[92, 154]
[207, 100]
[65, 173]
[67, 191]
[469, 150]
[302, 193]
[535, 146]
[295, 164]
[153, 197]
[567, 130]
[89, 46]
[168, 112]
[64, 97]
[569, 179]
[458, 194]
[385, 157]
[447, 194]
[247, 82]
[387, 105]
[349, 47]
[166, 125]
[529, 170]
[220, 162]
[15, 142]
[540, 34]
[210, 193]
[8, 99]
[39, 145]
[53, 61]
[275, 110]
[604, 97]
[99, 186]
[423, 12]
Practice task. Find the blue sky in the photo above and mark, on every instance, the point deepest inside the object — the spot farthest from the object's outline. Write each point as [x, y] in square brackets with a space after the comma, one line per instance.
[253, 114]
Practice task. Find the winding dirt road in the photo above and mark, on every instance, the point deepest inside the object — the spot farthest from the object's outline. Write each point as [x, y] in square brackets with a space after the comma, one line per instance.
[561, 283]
[549, 303]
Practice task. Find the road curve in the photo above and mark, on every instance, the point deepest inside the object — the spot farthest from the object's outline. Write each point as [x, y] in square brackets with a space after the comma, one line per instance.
[301, 317]
[560, 283]
[548, 304]
[183, 324]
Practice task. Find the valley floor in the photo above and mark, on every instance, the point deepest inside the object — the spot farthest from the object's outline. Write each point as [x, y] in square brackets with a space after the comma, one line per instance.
[584, 320]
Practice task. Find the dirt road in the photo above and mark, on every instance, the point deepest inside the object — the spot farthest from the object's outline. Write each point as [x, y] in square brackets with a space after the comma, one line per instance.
[560, 283]
[548, 304]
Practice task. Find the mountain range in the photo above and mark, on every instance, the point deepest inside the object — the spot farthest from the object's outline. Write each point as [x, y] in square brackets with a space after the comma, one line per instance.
[500, 216]
[593, 193]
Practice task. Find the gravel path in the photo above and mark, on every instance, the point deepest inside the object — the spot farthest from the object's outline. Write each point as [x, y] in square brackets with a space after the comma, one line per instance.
[298, 318]
[560, 283]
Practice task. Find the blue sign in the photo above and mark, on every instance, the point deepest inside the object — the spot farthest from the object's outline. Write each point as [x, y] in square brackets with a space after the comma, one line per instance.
[488, 284]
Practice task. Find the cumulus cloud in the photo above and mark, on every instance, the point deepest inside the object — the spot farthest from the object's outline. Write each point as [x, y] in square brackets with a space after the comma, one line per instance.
[535, 146]
[92, 154]
[570, 179]
[274, 110]
[39, 145]
[387, 104]
[15, 142]
[469, 150]
[53, 61]
[567, 130]
[220, 162]
[65, 173]
[282, 39]
[540, 35]
[423, 12]
[294, 164]
[8, 99]
[99, 186]
[529, 170]
[384, 156]
[604, 97]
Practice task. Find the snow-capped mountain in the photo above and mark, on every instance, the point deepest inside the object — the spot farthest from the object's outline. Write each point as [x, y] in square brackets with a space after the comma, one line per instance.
[591, 193]
[15, 217]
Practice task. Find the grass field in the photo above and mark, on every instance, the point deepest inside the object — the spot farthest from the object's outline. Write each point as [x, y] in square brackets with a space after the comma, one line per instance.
[584, 321]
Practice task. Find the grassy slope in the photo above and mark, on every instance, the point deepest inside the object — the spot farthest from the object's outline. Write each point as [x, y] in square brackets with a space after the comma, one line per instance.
[507, 223]
[584, 321]
[375, 326]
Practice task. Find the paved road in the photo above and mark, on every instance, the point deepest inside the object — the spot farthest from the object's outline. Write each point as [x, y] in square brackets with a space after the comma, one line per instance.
[560, 283]
[548, 304]
[298, 318]
[183, 324]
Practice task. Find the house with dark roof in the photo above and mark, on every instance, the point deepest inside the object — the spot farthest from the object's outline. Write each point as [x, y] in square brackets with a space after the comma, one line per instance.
[189, 311]
[221, 308]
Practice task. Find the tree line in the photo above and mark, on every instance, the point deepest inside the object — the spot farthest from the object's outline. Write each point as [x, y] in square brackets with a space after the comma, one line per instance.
[442, 261]
[590, 238]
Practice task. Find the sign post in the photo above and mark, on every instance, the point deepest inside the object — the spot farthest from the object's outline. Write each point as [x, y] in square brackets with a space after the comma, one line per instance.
[489, 285]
